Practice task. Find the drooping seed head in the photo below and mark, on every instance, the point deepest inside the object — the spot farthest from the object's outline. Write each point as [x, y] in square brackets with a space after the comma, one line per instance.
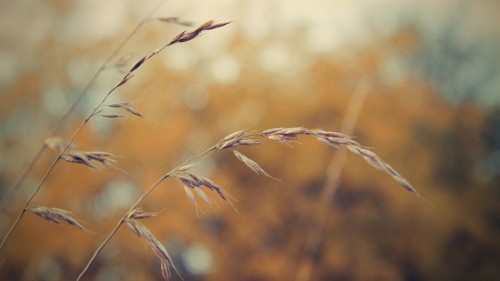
[56, 215]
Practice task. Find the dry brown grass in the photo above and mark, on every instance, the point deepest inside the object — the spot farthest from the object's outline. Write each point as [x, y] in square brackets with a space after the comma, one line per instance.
[56, 215]
[193, 182]
[67, 151]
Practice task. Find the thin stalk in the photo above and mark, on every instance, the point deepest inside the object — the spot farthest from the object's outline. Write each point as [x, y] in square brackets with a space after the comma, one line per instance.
[51, 168]
[94, 112]
[334, 172]
[10, 193]
[60, 124]
[180, 38]
[139, 201]
[39, 186]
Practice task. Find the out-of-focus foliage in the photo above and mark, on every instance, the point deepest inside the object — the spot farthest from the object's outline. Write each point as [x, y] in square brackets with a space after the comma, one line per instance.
[376, 230]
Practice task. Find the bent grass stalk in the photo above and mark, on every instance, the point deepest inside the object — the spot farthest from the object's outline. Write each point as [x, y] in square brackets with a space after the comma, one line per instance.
[37, 189]
[7, 198]
[135, 205]
[189, 180]
[231, 142]
[180, 38]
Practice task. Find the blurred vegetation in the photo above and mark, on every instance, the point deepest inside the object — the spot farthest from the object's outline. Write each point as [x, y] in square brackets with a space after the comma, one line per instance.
[376, 230]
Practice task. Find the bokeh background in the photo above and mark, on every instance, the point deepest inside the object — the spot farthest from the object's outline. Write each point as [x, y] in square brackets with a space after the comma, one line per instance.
[424, 75]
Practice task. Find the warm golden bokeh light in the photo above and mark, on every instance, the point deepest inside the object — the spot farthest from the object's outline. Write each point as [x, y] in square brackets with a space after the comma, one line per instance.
[420, 92]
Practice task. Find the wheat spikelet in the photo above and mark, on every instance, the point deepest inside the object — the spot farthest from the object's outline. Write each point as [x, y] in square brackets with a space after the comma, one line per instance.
[165, 260]
[330, 138]
[139, 214]
[252, 164]
[56, 215]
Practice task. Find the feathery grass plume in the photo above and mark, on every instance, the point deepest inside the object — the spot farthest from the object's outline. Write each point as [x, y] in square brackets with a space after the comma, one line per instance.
[68, 144]
[192, 179]
[285, 135]
[188, 189]
[75, 156]
[191, 196]
[180, 38]
[87, 157]
[165, 260]
[56, 215]
[182, 168]
[139, 214]
[187, 36]
[252, 164]
[197, 182]
[78, 157]
[377, 163]
[181, 172]
[59, 126]
[332, 139]
[335, 140]
[239, 138]
[126, 106]
[194, 182]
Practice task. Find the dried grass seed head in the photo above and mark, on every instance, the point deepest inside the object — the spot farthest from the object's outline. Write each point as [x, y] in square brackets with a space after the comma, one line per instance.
[139, 213]
[165, 260]
[252, 164]
[87, 157]
[187, 36]
[56, 215]
[194, 181]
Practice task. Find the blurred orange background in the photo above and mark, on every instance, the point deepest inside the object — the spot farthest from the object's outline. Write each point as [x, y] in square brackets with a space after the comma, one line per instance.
[428, 74]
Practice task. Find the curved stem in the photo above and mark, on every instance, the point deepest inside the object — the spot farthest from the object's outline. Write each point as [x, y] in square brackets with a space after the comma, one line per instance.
[7, 235]
[37, 189]
[115, 229]
[139, 201]
[23, 211]
[72, 107]
[51, 168]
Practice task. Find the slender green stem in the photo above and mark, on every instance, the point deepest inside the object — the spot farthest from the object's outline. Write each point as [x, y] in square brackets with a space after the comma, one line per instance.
[134, 206]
